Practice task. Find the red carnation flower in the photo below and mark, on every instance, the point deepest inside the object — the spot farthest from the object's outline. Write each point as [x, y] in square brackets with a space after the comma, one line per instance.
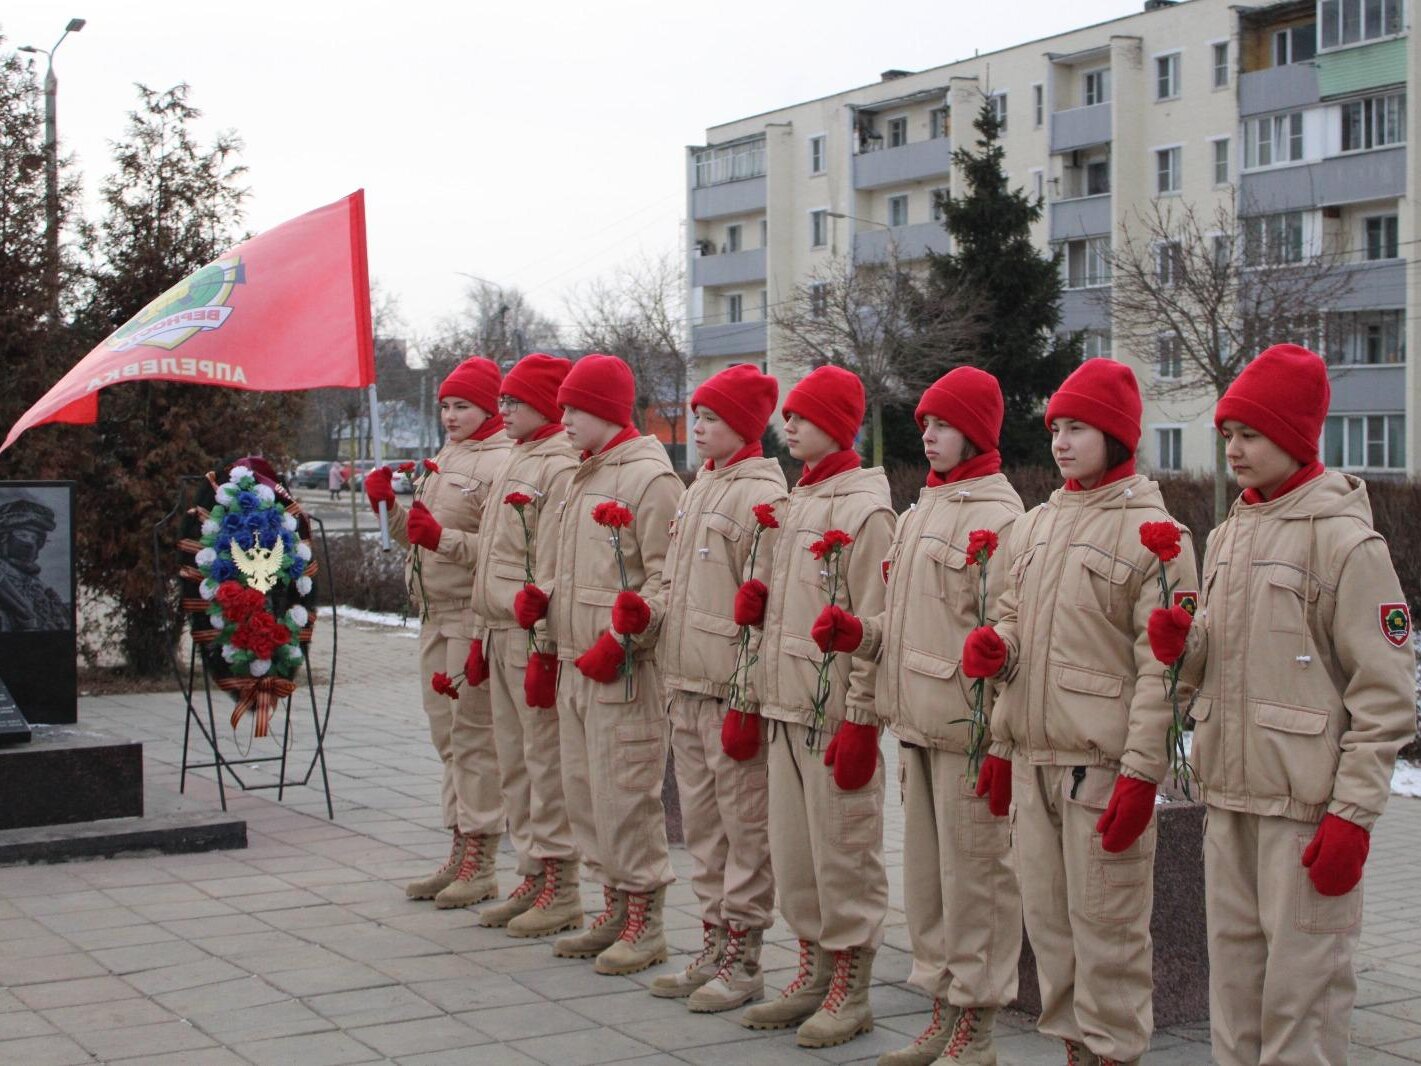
[518, 499]
[441, 684]
[612, 515]
[261, 634]
[431, 467]
[1162, 539]
[981, 545]
[407, 467]
[765, 515]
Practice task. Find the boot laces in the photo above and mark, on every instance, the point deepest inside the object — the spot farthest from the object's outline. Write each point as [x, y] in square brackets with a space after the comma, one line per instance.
[1073, 1054]
[708, 947]
[845, 966]
[964, 1031]
[934, 1024]
[456, 851]
[609, 909]
[473, 858]
[551, 884]
[529, 882]
[637, 904]
[805, 969]
[734, 944]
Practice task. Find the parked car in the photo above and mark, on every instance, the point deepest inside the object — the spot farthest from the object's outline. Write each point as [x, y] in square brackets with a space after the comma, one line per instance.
[312, 475]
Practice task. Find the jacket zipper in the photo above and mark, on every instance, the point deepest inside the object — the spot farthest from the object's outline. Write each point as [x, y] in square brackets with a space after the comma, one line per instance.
[1077, 776]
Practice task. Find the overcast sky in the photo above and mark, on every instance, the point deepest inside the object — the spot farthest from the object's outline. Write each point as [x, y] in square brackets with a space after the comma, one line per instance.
[534, 144]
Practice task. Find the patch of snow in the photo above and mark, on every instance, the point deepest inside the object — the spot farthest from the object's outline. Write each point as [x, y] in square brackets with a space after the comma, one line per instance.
[1406, 779]
[374, 618]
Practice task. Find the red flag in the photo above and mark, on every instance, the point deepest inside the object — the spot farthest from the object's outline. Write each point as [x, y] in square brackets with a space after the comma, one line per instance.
[288, 309]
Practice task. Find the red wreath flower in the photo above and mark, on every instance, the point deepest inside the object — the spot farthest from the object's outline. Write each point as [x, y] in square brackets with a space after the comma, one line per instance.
[981, 545]
[518, 499]
[261, 634]
[1162, 539]
[238, 602]
[431, 467]
[765, 516]
[612, 515]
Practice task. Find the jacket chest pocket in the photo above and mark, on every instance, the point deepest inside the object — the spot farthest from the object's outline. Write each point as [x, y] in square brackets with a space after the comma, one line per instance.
[1103, 583]
[807, 569]
[1286, 590]
[953, 581]
[1020, 568]
[719, 541]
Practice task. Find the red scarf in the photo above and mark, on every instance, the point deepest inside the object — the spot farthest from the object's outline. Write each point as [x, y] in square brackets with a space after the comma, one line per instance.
[543, 432]
[1301, 476]
[1117, 473]
[830, 465]
[625, 434]
[488, 429]
[750, 451]
[977, 466]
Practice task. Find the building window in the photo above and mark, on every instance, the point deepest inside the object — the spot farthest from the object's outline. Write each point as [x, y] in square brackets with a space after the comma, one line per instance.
[1038, 105]
[898, 210]
[1169, 363]
[998, 103]
[938, 196]
[1038, 184]
[732, 239]
[937, 122]
[1087, 263]
[764, 305]
[818, 298]
[1096, 344]
[1167, 175]
[1366, 338]
[1221, 65]
[1273, 238]
[735, 308]
[764, 233]
[734, 163]
[897, 132]
[1097, 177]
[819, 228]
[818, 162]
[1297, 44]
[1382, 239]
[1169, 263]
[1169, 448]
[1374, 122]
[1221, 161]
[1167, 76]
[1221, 252]
[1269, 141]
[1344, 22]
[1364, 442]
[1097, 87]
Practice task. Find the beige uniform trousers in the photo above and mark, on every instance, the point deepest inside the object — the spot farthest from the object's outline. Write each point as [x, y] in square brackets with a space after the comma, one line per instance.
[826, 845]
[613, 764]
[960, 893]
[725, 815]
[1281, 985]
[1087, 910]
[529, 758]
[462, 729]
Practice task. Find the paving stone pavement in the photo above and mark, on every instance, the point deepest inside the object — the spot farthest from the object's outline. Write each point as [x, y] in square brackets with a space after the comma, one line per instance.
[302, 949]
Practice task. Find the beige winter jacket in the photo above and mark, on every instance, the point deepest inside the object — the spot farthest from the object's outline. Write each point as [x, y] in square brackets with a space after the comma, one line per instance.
[707, 562]
[455, 496]
[541, 469]
[931, 605]
[1083, 687]
[785, 678]
[637, 475]
[1305, 698]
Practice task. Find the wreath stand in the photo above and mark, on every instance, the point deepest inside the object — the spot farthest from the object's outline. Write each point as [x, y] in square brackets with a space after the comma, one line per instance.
[188, 679]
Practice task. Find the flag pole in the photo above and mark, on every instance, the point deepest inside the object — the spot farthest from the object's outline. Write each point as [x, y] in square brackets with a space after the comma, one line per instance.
[379, 457]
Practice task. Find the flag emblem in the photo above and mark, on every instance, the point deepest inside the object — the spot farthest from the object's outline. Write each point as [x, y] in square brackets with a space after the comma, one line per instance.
[194, 305]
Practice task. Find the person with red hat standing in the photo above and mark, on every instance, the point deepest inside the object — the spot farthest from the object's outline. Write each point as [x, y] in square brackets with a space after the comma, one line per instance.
[719, 750]
[1080, 728]
[1302, 652]
[612, 718]
[826, 805]
[960, 892]
[522, 666]
[441, 530]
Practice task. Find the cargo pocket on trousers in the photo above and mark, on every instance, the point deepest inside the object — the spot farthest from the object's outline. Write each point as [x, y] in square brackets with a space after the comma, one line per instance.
[1118, 885]
[752, 798]
[1316, 913]
[641, 756]
[980, 833]
[855, 818]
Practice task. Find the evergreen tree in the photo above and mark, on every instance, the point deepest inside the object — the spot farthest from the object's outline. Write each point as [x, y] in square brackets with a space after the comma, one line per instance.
[1018, 289]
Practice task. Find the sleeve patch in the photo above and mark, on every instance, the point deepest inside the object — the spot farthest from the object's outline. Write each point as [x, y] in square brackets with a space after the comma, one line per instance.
[1188, 599]
[1396, 623]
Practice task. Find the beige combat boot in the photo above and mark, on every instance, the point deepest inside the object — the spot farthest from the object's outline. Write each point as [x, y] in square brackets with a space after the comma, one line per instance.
[431, 886]
[845, 1012]
[601, 933]
[698, 971]
[971, 1043]
[801, 997]
[1080, 1055]
[642, 941]
[930, 1044]
[475, 880]
[517, 901]
[558, 906]
[739, 978]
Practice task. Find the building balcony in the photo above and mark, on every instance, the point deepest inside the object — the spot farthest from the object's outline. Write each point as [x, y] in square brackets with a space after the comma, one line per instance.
[1080, 127]
[1283, 88]
[1368, 66]
[728, 338]
[1085, 216]
[1361, 389]
[731, 268]
[1085, 309]
[1378, 284]
[871, 245]
[909, 162]
[1378, 174]
[742, 197]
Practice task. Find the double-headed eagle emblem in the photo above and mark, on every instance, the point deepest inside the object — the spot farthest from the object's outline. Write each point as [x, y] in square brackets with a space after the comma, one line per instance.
[260, 565]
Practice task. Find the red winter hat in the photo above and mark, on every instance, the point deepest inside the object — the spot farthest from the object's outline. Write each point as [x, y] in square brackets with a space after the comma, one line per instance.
[534, 379]
[601, 385]
[1284, 395]
[1104, 394]
[832, 398]
[967, 399]
[743, 397]
[476, 380]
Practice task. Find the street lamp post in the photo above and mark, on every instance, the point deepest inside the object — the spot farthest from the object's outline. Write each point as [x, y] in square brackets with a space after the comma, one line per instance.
[503, 310]
[51, 166]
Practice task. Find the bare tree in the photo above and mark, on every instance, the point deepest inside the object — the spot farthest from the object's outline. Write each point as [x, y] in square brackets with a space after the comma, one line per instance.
[878, 321]
[1201, 294]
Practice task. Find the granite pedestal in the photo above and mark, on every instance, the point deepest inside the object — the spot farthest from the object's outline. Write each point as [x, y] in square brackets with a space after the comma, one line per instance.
[68, 774]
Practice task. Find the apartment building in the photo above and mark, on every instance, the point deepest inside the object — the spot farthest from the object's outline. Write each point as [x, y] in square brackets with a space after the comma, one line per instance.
[1295, 113]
